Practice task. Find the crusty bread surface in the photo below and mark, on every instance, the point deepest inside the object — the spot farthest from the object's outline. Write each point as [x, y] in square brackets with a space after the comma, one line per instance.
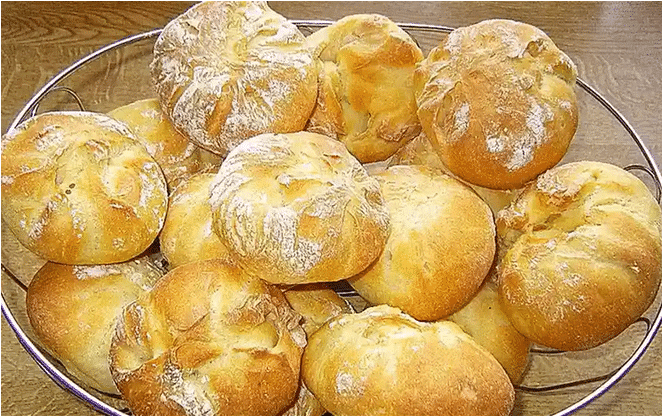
[497, 101]
[208, 339]
[77, 188]
[298, 208]
[382, 361]
[226, 71]
[440, 249]
[73, 310]
[581, 255]
[366, 92]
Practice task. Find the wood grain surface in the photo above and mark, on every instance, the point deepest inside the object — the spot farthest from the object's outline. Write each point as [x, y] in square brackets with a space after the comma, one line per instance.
[617, 48]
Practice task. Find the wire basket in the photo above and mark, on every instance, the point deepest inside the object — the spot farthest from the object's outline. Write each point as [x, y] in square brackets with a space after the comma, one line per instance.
[96, 88]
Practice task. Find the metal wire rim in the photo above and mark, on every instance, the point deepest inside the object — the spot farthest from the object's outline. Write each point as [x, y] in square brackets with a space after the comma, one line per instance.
[66, 383]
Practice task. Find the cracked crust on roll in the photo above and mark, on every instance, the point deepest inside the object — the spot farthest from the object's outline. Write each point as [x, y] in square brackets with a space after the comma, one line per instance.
[78, 188]
[298, 208]
[366, 93]
[227, 71]
[580, 255]
[208, 340]
[497, 101]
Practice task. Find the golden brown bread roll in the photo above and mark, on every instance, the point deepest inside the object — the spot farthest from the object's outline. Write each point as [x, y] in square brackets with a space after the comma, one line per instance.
[497, 101]
[483, 318]
[73, 311]
[300, 206]
[208, 339]
[175, 154]
[77, 188]
[225, 71]
[187, 234]
[582, 251]
[366, 94]
[383, 362]
[440, 248]
[419, 151]
[316, 303]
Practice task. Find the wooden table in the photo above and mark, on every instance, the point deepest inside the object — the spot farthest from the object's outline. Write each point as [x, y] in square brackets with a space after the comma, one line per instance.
[616, 46]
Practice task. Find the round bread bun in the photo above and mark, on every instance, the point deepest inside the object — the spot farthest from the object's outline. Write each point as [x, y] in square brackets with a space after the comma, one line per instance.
[176, 155]
[300, 206]
[583, 248]
[187, 234]
[316, 303]
[226, 71]
[440, 249]
[483, 318]
[383, 362]
[419, 151]
[208, 340]
[73, 310]
[77, 188]
[366, 94]
[497, 101]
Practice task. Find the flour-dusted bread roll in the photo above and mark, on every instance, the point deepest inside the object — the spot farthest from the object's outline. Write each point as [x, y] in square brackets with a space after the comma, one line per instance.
[383, 362]
[187, 234]
[366, 92]
[497, 101]
[73, 310]
[225, 71]
[178, 157]
[77, 188]
[316, 303]
[419, 151]
[440, 248]
[582, 255]
[208, 340]
[300, 207]
[484, 319]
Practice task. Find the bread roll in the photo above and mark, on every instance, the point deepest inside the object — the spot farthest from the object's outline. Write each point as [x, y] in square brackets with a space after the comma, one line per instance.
[77, 188]
[208, 340]
[483, 318]
[419, 151]
[187, 234]
[73, 311]
[497, 101]
[226, 71]
[582, 255]
[300, 206]
[383, 362]
[175, 154]
[366, 95]
[317, 304]
[440, 248]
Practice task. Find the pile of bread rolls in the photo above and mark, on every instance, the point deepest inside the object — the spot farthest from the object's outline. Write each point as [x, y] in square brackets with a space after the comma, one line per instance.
[192, 239]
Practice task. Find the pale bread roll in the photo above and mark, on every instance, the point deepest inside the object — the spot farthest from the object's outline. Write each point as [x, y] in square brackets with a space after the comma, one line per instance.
[73, 311]
[176, 155]
[208, 340]
[316, 303]
[419, 151]
[77, 188]
[226, 71]
[366, 93]
[440, 249]
[582, 248]
[188, 234]
[299, 206]
[497, 101]
[383, 362]
[484, 319]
